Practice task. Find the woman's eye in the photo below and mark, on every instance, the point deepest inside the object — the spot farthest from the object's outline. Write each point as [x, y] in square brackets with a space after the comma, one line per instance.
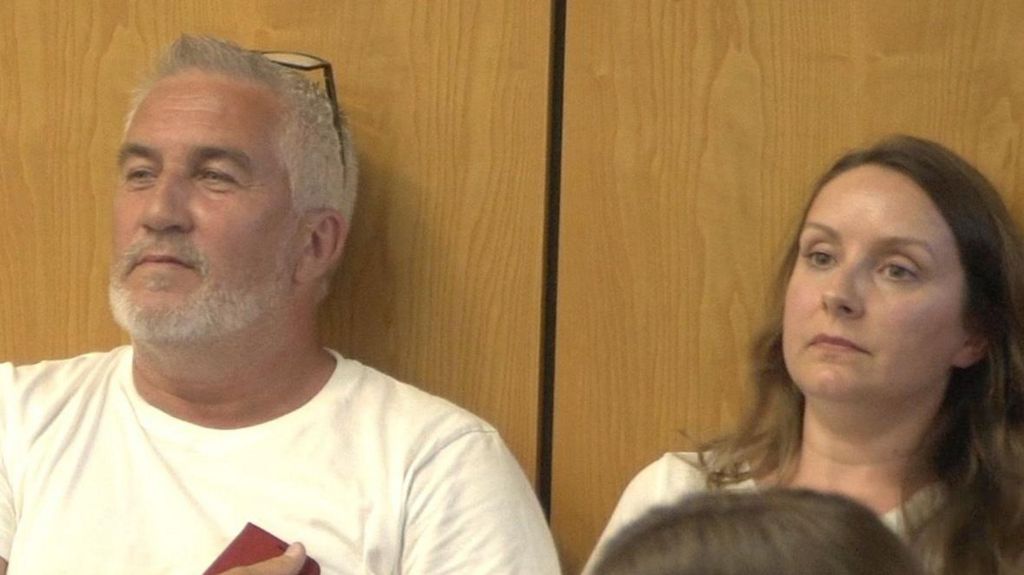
[819, 259]
[898, 272]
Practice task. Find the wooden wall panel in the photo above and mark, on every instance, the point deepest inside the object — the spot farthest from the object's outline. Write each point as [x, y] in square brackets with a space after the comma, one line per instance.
[692, 132]
[442, 280]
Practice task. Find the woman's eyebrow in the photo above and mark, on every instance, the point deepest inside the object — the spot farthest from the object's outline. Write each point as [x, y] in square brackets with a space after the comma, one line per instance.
[887, 242]
[893, 242]
[827, 230]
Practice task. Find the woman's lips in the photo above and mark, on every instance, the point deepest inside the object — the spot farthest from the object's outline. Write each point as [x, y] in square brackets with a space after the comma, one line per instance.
[836, 342]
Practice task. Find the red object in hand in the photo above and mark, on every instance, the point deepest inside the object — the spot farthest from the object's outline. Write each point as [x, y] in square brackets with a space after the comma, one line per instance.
[251, 546]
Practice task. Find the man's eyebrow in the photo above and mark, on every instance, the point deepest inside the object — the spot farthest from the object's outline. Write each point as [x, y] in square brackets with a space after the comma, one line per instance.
[132, 150]
[234, 155]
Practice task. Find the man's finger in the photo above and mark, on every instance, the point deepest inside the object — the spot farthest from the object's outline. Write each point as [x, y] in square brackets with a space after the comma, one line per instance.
[288, 564]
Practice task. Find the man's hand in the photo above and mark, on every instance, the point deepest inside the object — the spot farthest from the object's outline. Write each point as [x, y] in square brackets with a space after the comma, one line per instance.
[288, 564]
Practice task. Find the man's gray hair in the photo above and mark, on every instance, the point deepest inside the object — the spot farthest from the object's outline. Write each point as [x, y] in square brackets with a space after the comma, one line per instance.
[322, 169]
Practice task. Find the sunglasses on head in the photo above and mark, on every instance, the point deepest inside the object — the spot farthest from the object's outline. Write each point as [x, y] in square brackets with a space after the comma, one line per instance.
[310, 63]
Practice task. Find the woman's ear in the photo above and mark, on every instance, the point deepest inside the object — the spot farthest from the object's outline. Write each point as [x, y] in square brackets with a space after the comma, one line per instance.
[974, 348]
[324, 232]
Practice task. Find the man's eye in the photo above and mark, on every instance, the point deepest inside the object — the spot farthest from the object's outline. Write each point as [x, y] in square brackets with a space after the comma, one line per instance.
[216, 176]
[139, 175]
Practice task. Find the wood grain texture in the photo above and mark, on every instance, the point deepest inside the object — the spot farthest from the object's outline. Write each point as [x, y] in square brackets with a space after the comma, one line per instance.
[692, 132]
[441, 285]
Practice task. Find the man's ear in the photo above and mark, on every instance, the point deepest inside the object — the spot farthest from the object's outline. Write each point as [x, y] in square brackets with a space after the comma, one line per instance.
[973, 349]
[324, 232]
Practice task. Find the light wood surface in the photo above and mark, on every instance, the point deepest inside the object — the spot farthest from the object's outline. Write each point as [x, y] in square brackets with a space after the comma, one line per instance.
[441, 285]
[693, 131]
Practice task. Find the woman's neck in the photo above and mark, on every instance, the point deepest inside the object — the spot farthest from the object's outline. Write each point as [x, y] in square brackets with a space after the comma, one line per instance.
[869, 455]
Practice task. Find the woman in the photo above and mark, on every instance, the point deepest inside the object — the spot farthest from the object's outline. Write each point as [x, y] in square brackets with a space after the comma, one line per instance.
[892, 366]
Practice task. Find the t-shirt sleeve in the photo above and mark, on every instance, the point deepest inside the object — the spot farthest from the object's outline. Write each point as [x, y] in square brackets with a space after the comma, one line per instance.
[471, 510]
[660, 483]
[7, 516]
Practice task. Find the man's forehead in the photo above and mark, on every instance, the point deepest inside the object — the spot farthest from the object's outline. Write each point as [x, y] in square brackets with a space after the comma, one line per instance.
[205, 92]
[196, 154]
[195, 77]
[198, 109]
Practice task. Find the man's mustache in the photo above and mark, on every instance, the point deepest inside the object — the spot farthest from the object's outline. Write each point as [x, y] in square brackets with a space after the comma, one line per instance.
[174, 247]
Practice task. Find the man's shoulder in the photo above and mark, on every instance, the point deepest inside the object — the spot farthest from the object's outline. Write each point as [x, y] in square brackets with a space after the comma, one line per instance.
[381, 400]
[64, 372]
[33, 396]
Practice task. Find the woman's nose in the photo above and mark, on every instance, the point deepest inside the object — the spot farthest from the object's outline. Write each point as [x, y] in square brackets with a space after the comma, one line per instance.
[842, 296]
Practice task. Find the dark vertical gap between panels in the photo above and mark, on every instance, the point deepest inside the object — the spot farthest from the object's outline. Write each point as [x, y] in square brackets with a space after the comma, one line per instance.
[551, 231]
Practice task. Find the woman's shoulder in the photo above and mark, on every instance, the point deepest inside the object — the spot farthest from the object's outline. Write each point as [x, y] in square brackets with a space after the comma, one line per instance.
[664, 481]
[679, 464]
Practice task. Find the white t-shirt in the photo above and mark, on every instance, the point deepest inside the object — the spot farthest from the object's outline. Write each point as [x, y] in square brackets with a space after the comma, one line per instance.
[677, 474]
[372, 475]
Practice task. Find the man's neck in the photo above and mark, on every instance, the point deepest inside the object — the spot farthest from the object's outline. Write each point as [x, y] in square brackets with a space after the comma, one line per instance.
[236, 381]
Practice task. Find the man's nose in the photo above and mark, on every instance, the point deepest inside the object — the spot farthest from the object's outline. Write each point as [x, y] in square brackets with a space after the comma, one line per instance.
[168, 205]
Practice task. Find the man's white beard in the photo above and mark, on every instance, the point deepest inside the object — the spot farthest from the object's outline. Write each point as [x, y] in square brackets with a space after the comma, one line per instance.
[212, 311]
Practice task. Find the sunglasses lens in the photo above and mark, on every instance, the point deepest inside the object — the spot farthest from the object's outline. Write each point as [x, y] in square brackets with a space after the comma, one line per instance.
[295, 60]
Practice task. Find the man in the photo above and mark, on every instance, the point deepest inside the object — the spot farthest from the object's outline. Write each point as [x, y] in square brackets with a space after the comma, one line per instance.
[231, 214]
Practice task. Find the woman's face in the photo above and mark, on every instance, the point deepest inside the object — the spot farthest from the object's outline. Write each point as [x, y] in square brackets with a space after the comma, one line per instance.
[874, 305]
